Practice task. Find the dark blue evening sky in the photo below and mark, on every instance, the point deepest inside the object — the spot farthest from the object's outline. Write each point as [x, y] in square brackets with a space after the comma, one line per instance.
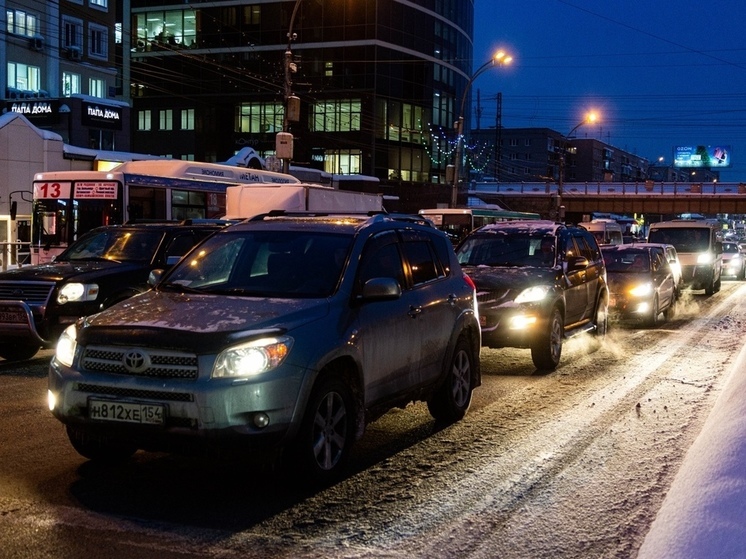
[661, 73]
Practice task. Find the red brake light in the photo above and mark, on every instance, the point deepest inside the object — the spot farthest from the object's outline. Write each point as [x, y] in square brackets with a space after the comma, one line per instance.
[470, 282]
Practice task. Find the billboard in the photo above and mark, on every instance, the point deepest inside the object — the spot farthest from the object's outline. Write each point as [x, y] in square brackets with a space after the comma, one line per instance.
[701, 156]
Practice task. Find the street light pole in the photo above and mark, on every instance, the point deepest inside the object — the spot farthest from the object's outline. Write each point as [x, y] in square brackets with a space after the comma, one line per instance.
[284, 140]
[500, 58]
[590, 118]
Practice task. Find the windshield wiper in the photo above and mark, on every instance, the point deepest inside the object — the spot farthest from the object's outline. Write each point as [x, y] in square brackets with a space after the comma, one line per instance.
[178, 287]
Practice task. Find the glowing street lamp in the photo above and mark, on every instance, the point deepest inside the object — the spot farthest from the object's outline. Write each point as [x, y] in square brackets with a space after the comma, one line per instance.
[590, 118]
[500, 58]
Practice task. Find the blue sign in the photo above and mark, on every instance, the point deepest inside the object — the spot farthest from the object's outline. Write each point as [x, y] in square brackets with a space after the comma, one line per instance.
[701, 156]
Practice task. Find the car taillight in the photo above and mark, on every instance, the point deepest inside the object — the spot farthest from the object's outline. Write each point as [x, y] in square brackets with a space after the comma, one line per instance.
[470, 282]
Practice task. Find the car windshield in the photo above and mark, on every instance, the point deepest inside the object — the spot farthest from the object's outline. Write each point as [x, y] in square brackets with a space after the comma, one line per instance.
[508, 249]
[118, 245]
[633, 262]
[685, 239]
[264, 264]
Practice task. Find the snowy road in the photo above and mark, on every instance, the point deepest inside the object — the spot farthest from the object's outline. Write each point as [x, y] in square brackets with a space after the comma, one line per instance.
[571, 464]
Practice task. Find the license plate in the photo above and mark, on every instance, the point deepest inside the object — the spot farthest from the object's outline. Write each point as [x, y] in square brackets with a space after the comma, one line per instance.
[108, 410]
[16, 317]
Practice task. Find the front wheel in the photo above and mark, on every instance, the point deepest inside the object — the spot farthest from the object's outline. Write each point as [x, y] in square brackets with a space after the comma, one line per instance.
[602, 319]
[652, 319]
[99, 449]
[18, 352]
[547, 348]
[327, 432]
[450, 401]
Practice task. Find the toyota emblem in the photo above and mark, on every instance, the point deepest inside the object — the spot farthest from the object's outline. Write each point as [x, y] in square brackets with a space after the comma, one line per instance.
[136, 361]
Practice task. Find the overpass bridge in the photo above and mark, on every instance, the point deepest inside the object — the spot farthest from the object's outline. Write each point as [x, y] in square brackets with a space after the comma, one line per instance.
[665, 199]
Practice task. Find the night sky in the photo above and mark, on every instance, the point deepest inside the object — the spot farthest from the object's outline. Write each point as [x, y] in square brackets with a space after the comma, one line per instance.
[660, 73]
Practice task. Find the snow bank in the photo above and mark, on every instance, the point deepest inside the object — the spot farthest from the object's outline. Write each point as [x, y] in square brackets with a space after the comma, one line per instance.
[704, 512]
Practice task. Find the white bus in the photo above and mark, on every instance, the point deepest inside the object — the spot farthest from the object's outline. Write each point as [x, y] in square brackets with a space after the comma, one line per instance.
[459, 222]
[67, 204]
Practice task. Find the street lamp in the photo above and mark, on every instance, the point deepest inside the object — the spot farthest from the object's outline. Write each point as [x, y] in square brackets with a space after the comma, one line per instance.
[284, 140]
[500, 58]
[590, 118]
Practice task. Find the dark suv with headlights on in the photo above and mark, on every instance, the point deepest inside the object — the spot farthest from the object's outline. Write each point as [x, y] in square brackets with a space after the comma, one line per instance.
[538, 282]
[101, 268]
[283, 333]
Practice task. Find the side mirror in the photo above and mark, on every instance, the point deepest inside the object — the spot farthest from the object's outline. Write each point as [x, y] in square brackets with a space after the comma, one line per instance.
[154, 277]
[576, 263]
[381, 289]
[13, 210]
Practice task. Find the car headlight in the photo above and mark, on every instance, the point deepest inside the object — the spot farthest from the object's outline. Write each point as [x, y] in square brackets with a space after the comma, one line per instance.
[252, 358]
[532, 294]
[65, 352]
[736, 258]
[704, 258]
[76, 292]
[641, 290]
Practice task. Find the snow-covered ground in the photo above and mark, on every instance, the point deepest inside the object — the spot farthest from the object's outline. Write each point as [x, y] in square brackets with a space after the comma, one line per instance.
[704, 512]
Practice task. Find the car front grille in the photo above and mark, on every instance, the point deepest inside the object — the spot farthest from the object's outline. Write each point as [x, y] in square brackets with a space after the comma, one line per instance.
[31, 292]
[138, 393]
[162, 363]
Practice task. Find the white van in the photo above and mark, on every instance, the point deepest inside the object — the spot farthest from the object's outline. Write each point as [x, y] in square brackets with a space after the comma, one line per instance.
[606, 231]
[700, 249]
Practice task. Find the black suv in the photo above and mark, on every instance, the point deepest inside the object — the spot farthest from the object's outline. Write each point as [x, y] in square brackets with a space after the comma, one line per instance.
[538, 282]
[286, 332]
[103, 267]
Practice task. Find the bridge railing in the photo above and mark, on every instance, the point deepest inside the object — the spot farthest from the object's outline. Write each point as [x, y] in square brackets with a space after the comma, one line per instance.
[647, 188]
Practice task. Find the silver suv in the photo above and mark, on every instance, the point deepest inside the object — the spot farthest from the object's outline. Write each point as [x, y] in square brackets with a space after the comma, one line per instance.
[283, 332]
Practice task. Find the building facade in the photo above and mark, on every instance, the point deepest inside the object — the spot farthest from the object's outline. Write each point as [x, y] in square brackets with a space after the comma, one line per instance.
[541, 154]
[377, 81]
[62, 69]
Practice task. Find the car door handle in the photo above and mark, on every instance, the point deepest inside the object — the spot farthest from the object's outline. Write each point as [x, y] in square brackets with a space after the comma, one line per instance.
[414, 312]
[452, 299]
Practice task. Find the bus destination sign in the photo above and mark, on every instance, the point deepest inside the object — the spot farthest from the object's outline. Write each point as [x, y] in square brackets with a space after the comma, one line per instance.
[107, 190]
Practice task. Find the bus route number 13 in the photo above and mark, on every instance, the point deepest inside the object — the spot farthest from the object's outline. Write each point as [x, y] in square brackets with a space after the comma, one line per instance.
[51, 190]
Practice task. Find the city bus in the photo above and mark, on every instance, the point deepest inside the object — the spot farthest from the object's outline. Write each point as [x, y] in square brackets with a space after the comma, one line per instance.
[459, 222]
[67, 204]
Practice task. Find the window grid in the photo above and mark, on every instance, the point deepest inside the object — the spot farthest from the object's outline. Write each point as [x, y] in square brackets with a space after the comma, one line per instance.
[144, 121]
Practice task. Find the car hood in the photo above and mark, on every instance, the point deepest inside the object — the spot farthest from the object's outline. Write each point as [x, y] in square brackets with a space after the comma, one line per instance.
[59, 271]
[189, 321]
[498, 278]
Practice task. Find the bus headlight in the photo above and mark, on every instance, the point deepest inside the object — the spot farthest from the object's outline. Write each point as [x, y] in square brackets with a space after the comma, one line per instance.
[66, 345]
[77, 292]
[252, 358]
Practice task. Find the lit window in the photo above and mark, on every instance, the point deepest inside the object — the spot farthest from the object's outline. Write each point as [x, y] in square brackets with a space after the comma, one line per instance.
[259, 118]
[187, 119]
[166, 119]
[24, 77]
[97, 87]
[144, 121]
[70, 84]
[341, 115]
[22, 23]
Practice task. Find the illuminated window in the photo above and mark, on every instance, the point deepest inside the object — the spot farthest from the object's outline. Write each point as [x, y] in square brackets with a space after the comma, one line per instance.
[166, 119]
[342, 161]
[70, 84]
[22, 23]
[99, 3]
[144, 121]
[187, 119]
[23, 76]
[258, 118]
[97, 87]
[336, 116]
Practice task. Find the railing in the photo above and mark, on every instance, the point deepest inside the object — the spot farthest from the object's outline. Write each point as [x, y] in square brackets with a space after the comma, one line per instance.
[646, 188]
[14, 254]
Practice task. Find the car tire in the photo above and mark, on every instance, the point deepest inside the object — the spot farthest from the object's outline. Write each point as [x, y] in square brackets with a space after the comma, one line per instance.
[546, 349]
[450, 402]
[99, 449]
[670, 312]
[741, 274]
[602, 318]
[652, 319]
[718, 284]
[710, 289]
[18, 352]
[327, 432]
